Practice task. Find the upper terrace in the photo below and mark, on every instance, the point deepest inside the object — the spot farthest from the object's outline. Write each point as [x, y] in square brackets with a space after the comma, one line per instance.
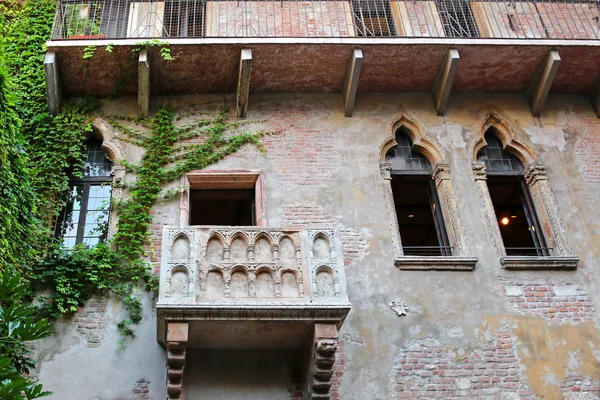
[362, 46]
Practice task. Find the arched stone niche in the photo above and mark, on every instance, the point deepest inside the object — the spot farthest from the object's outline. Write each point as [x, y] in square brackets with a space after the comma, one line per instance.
[238, 249]
[215, 285]
[321, 248]
[181, 250]
[289, 284]
[325, 282]
[265, 283]
[287, 252]
[262, 249]
[214, 249]
[239, 283]
[179, 282]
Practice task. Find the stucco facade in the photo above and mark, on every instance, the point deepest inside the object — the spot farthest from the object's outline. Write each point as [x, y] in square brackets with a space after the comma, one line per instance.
[484, 332]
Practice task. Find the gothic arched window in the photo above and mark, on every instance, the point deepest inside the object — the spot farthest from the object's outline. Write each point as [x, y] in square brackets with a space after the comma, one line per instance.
[416, 200]
[85, 216]
[515, 211]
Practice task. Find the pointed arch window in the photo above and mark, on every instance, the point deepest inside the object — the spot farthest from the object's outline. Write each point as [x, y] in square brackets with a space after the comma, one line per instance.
[85, 216]
[416, 201]
[513, 205]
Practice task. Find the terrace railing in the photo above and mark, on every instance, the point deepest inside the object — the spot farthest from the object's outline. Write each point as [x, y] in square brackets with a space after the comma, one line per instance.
[120, 19]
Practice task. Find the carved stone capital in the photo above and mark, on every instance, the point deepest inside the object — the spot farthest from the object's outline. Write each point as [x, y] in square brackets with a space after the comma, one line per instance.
[479, 171]
[386, 170]
[441, 172]
[534, 173]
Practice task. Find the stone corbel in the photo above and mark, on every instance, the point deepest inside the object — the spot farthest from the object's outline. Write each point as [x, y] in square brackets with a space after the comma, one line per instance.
[177, 339]
[325, 343]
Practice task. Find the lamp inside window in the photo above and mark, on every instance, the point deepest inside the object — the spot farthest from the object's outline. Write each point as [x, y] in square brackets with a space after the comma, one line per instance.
[416, 201]
[514, 208]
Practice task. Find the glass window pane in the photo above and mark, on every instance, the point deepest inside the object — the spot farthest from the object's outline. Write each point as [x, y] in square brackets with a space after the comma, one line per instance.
[96, 218]
[69, 221]
[403, 158]
[97, 164]
[495, 158]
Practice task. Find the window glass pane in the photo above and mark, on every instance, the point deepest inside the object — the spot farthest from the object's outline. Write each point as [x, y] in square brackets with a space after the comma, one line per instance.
[495, 158]
[96, 217]
[403, 158]
[69, 221]
[96, 164]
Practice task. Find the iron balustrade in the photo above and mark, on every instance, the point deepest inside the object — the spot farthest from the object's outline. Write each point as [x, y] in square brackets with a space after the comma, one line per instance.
[120, 19]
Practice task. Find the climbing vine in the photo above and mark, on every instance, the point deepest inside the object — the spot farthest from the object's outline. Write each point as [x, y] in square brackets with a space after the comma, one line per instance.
[56, 152]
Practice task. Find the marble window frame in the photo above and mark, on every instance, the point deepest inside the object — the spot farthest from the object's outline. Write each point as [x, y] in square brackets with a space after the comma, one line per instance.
[536, 178]
[460, 260]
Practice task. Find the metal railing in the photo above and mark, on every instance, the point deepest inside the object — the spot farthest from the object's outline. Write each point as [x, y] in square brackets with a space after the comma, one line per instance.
[119, 19]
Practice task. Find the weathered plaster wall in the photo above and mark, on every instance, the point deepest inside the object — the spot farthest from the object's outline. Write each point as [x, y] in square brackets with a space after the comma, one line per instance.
[488, 333]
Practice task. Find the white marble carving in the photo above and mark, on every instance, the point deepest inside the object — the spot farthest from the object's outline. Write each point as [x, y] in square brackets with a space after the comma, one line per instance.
[399, 307]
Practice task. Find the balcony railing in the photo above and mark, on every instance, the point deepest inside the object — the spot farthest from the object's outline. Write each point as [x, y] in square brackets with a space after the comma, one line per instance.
[118, 19]
[234, 267]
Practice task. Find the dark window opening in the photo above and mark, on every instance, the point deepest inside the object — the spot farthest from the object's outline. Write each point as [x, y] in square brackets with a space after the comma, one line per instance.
[417, 204]
[419, 216]
[233, 207]
[373, 18]
[520, 229]
[84, 220]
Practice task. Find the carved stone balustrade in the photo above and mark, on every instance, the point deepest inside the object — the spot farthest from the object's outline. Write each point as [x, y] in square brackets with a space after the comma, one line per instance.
[212, 273]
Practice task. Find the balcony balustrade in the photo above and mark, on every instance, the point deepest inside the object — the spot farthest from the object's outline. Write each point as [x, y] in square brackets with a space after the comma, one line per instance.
[251, 273]
[120, 19]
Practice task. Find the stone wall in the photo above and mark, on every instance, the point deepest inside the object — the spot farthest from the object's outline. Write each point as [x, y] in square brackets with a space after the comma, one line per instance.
[486, 333]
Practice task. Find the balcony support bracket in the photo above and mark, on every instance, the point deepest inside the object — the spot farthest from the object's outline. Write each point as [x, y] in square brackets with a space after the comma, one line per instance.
[443, 84]
[177, 340]
[325, 343]
[540, 86]
[53, 89]
[243, 86]
[143, 84]
[351, 83]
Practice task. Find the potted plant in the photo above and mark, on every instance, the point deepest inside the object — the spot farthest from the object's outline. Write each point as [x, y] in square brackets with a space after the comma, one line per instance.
[79, 25]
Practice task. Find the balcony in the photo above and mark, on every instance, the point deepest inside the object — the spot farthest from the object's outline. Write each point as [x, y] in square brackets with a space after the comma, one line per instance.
[251, 274]
[122, 19]
[251, 288]
[330, 46]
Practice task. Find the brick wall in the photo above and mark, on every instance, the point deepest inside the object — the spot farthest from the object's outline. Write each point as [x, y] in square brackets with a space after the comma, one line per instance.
[339, 368]
[561, 303]
[141, 389]
[581, 388]
[354, 244]
[267, 18]
[426, 369]
[90, 321]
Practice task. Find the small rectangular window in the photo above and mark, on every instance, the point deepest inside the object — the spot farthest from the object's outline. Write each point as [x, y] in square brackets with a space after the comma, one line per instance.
[232, 207]
[519, 227]
[419, 216]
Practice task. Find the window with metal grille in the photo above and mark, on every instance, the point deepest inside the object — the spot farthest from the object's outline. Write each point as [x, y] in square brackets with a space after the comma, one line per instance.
[185, 18]
[416, 201]
[85, 216]
[457, 18]
[519, 226]
[373, 18]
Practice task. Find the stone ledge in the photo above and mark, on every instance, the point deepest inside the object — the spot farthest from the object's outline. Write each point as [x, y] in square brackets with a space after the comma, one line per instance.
[440, 263]
[527, 262]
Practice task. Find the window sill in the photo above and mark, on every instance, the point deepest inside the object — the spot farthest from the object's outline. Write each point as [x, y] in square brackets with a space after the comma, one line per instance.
[441, 263]
[549, 262]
